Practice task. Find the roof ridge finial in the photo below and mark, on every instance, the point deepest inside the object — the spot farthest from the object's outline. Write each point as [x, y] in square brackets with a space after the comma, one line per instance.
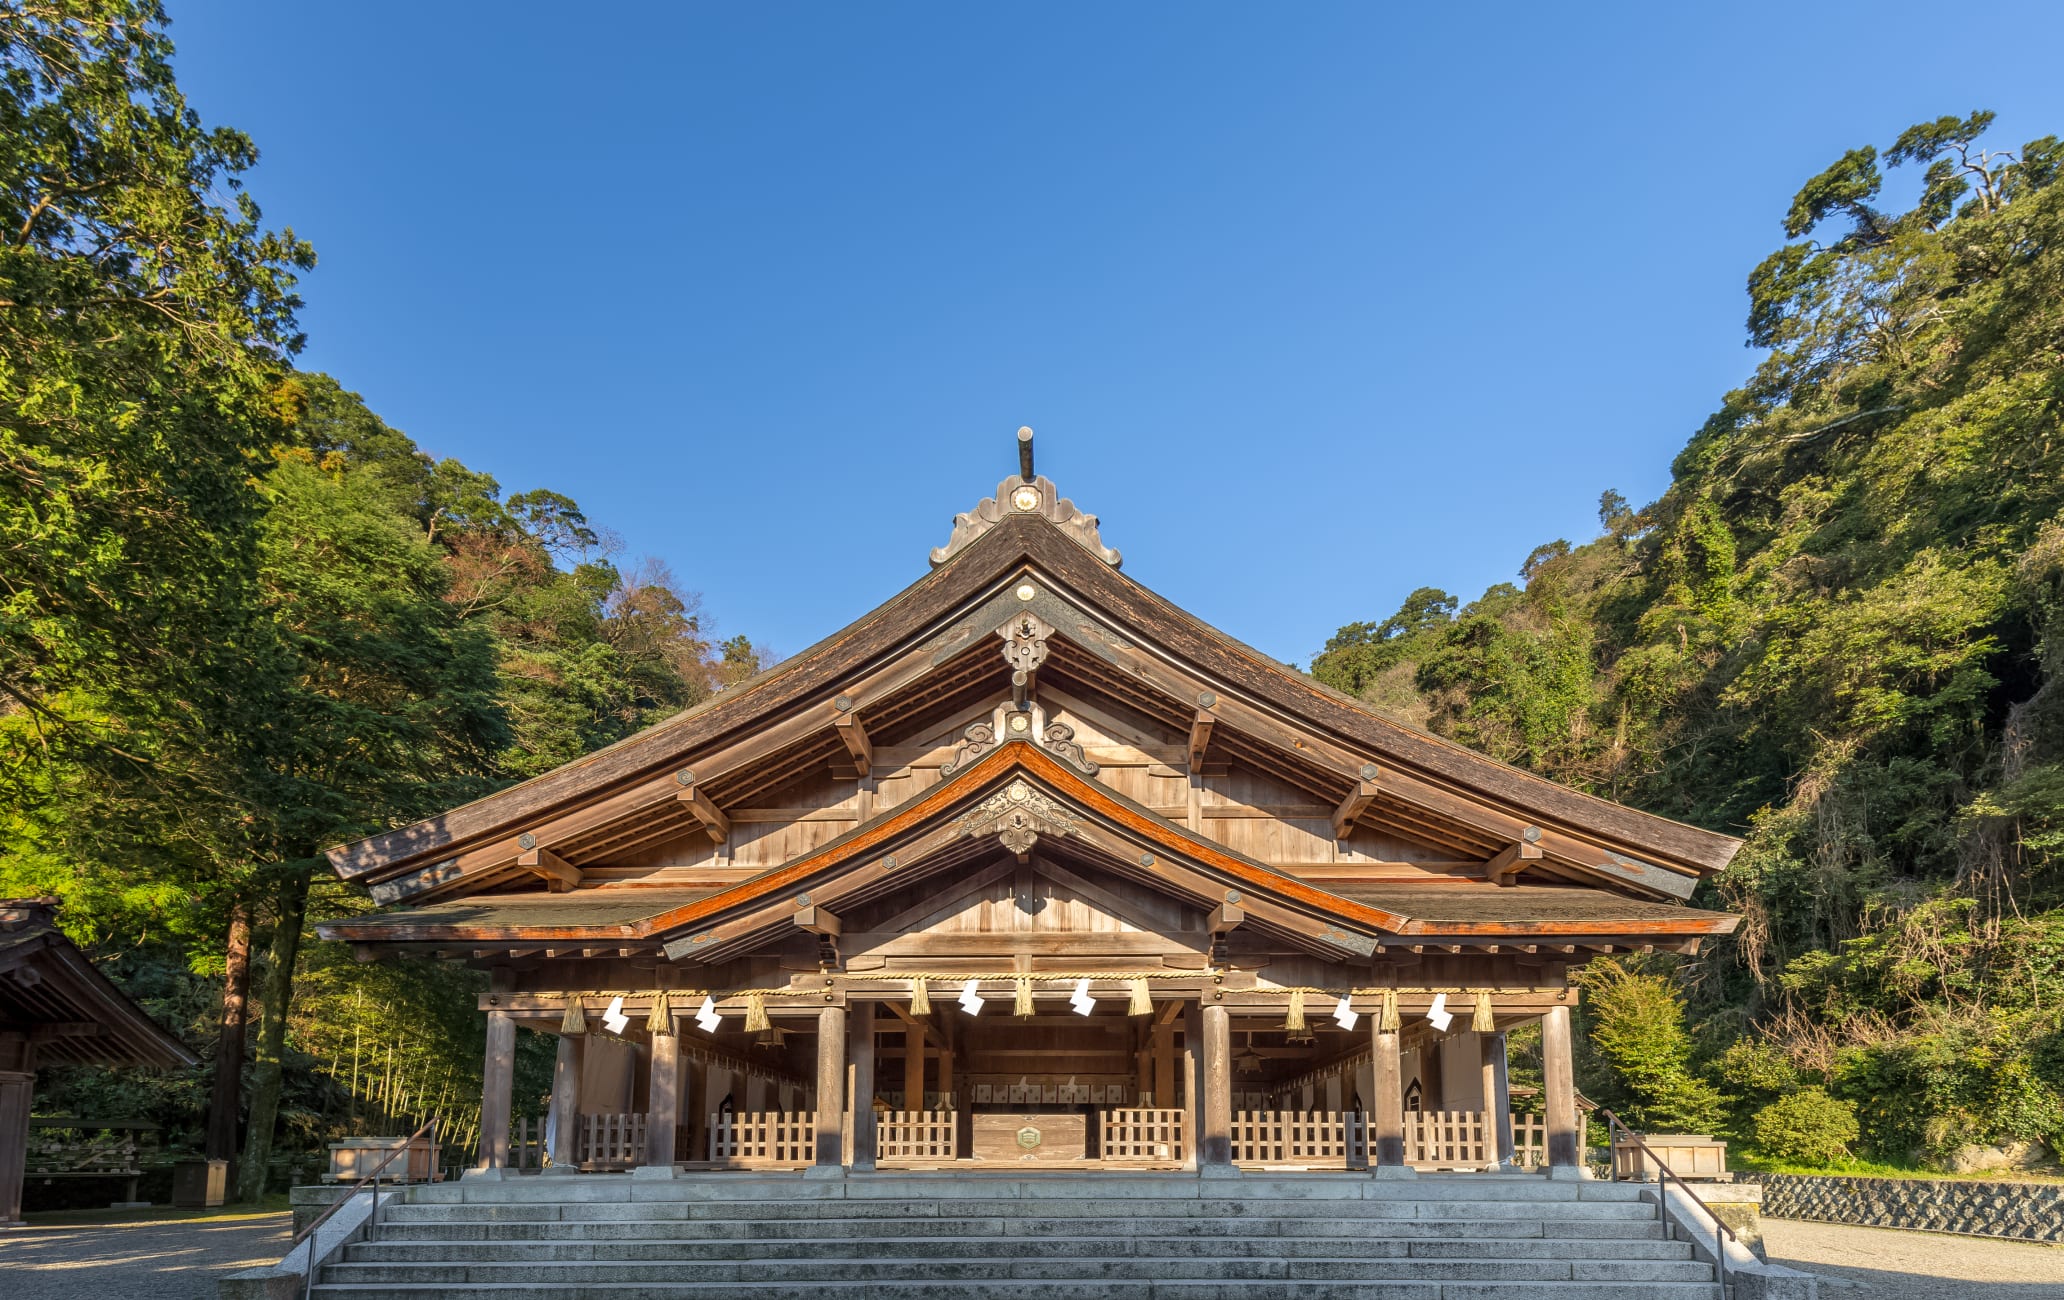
[1025, 452]
[1025, 493]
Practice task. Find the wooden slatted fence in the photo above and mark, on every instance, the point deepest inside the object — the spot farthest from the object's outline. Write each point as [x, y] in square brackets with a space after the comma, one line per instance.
[614, 1141]
[1449, 1139]
[916, 1136]
[1135, 1134]
[763, 1139]
[1312, 1139]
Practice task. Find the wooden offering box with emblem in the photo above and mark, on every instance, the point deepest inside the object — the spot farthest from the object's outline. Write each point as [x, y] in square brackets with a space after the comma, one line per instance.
[1031, 1137]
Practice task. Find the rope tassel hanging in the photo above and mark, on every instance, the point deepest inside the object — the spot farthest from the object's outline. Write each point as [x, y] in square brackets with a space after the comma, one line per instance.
[1142, 1003]
[756, 1014]
[1483, 1022]
[920, 997]
[576, 1021]
[1293, 1022]
[1389, 1022]
[1023, 1005]
[661, 1021]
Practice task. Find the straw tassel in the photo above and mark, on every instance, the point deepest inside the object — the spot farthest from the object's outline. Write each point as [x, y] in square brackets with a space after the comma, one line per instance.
[1388, 1022]
[920, 998]
[756, 1014]
[1294, 1021]
[661, 1021]
[576, 1021]
[1023, 1005]
[1142, 1001]
[1483, 1022]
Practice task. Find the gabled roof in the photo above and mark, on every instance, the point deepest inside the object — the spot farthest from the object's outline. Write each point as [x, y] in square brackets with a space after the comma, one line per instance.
[1148, 642]
[953, 823]
[71, 1011]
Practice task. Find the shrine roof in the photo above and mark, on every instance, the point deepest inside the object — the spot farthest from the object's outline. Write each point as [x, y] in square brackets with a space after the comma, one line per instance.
[1434, 907]
[72, 1011]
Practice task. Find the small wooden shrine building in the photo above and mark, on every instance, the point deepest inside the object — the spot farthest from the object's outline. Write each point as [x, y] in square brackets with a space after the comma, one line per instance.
[55, 1007]
[1029, 866]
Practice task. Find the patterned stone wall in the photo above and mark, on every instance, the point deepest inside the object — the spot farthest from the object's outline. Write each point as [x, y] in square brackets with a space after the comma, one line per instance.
[2025, 1211]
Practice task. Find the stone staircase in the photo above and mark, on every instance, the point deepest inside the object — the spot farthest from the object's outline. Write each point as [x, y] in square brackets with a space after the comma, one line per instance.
[1019, 1237]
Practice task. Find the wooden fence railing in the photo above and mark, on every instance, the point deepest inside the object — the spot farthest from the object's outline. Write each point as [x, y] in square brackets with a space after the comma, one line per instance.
[1529, 1141]
[1133, 1134]
[915, 1136]
[762, 1139]
[1450, 1139]
[612, 1141]
[1317, 1139]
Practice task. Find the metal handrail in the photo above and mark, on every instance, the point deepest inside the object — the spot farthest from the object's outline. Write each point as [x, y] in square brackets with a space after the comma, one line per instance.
[1614, 1129]
[307, 1234]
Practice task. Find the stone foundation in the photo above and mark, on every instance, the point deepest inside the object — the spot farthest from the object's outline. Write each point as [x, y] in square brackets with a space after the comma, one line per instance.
[2022, 1211]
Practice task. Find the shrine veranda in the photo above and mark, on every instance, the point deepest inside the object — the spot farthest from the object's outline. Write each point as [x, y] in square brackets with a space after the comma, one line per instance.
[1030, 869]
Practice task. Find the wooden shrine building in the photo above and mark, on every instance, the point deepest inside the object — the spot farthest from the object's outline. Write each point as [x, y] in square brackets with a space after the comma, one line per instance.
[1028, 866]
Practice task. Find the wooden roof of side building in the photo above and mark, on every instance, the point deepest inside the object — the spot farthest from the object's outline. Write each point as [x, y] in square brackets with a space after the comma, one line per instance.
[71, 1011]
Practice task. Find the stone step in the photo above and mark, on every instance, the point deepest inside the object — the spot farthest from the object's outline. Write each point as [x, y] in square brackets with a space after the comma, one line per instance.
[1088, 1210]
[567, 1273]
[1069, 1229]
[1165, 1289]
[1101, 1188]
[999, 1247]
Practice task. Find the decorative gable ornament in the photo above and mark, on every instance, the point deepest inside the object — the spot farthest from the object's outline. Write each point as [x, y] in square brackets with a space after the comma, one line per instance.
[1026, 494]
[1017, 816]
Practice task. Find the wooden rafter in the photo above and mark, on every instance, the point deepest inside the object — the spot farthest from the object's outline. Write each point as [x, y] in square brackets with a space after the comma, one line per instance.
[558, 874]
[855, 739]
[1504, 869]
[1356, 803]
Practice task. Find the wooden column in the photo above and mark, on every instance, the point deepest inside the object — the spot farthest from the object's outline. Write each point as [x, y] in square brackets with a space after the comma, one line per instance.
[1143, 1056]
[1565, 1150]
[913, 1067]
[1387, 1119]
[1498, 1094]
[831, 1090]
[663, 1102]
[1164, 1066]
[497, 1074]
[1193, 1079]
[864, 1126]
[566, 1072]
[1215, 1147]
[17, 1083]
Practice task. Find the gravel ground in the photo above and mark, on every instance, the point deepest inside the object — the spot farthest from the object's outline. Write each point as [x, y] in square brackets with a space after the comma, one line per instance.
[1884, 1264]
[158, 1257]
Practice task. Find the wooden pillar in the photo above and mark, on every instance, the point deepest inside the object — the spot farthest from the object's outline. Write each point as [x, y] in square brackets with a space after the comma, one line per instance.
[566, 1073]
[1497, 1095]
[831, 1089]
[1215, 1147]
[1558, 1071]
[1387, 1118]
[17, 1084]
[1164, 1065]
[496, 1076]
[1193, 1080]
[864, 1126]
[913, 1067]
[1143, 1056]
[663, 1102]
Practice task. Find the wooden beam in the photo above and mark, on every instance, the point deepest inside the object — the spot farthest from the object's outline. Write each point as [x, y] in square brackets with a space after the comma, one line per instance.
[712, 817]
[1504, 869]
[818, 920]
[1200, 736]
[558, 874]
[857, 744]
[1226, 917]
[1356, 803]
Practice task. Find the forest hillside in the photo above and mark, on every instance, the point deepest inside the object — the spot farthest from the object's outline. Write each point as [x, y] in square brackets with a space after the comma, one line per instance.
[1839, 634]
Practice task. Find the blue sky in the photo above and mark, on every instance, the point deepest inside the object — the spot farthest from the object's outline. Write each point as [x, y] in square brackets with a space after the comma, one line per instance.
[1313, 304]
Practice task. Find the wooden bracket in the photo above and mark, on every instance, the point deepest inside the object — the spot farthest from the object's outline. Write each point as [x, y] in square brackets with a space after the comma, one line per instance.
[712, 817]
[1200, 737]
[1352, 807]
[1226, 917]
[857, 744]
[818, 920]
[1505, 868]
[558, 874]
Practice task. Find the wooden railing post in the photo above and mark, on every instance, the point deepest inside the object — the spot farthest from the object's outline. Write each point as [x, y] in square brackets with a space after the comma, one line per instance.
[497, 1075]
[831, 1092]
[1565, 1149]
[1215, 1142]
[865, 1126]
[1387, 1121]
